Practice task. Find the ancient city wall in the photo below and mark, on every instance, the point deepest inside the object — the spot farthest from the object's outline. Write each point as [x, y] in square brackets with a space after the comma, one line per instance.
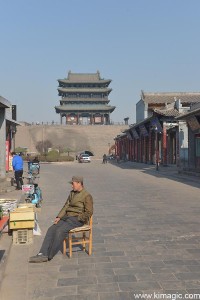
[96, 138]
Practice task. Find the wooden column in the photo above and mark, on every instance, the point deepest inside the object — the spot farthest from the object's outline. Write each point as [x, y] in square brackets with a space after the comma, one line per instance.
[108, 123]
[164, 143]
[150, 147]
[136, 149]
[144, 150]
[140, 140]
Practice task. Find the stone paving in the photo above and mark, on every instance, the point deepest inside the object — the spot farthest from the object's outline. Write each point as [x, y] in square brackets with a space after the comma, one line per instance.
[146, 237]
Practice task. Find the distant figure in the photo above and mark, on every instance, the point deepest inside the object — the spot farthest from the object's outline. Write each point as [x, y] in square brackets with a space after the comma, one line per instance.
[28, 158]
[17, 164]
[104, 159]
[35, 160]
[35, 165]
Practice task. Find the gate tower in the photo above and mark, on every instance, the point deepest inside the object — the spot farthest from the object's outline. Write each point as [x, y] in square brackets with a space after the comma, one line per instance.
[84, 99]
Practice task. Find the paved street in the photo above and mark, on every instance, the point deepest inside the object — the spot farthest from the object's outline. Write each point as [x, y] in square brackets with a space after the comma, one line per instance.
[146, 237]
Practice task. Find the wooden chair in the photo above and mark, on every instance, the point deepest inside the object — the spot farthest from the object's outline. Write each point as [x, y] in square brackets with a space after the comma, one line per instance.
[86, 238]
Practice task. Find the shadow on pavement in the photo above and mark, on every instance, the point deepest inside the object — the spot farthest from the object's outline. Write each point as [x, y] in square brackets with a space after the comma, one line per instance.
[2, 252]
[170, 172]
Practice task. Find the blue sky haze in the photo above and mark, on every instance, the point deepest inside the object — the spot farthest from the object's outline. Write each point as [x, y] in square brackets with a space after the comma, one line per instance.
[150, 45]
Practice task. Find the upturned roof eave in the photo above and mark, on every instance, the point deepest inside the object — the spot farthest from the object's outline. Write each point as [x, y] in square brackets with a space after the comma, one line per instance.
[84, 100]
[188, 114]
[155, 114]
[167, 112]
[84, 90]
[70, 109]
[101, 81]
[4, 103]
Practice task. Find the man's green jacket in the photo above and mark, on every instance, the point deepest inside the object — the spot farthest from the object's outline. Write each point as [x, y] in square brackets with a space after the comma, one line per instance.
[78, 204]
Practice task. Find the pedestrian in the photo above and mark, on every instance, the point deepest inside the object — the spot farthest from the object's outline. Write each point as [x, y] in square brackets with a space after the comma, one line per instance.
[75, 213]
[104, 159]
[35, 165]
[17, 164]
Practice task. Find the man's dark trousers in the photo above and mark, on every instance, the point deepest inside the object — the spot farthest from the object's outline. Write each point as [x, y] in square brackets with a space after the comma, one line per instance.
[18, 178]
[55, 235]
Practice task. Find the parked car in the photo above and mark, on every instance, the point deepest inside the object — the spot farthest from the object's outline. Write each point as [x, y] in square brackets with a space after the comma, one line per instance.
[84, 158]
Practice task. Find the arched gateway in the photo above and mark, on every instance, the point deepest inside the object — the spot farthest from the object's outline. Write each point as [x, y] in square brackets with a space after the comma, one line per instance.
[84, 99]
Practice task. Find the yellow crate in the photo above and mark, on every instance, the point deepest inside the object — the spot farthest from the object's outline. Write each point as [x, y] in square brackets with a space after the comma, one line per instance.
[22, 215]
[21, 224]
[22, 219]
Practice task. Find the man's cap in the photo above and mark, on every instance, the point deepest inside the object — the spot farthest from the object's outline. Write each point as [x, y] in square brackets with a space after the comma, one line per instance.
[76, 179]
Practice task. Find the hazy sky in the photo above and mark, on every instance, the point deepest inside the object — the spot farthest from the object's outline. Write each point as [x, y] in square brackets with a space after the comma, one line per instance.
[150, 45]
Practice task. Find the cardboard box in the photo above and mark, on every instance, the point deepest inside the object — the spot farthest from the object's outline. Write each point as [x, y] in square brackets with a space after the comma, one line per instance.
[20, 219]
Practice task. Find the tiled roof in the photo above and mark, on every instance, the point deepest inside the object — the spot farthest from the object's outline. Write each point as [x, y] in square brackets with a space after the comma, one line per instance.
[84, 77]
[164, 112]
[4, 102]
[71, 107]
[101, 81]
[170, 97]
[84, 90]
[188, 114]
[167, 112]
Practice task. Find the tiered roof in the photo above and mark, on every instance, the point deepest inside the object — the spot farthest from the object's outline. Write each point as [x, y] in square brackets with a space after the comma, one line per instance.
[84, 83]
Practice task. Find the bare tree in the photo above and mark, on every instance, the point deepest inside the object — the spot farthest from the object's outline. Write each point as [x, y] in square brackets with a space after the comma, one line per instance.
[43, 146]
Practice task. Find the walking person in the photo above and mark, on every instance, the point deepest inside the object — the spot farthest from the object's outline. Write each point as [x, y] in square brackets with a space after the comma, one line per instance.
[75, 213]
[17, 164]
[104, 159]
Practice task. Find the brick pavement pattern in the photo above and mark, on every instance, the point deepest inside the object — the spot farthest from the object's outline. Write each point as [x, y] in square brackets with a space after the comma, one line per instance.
[146, 237]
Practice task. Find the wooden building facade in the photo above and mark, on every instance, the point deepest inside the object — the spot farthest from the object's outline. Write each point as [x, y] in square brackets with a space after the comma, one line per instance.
[161, 137]
[8, 127]
[192, 118]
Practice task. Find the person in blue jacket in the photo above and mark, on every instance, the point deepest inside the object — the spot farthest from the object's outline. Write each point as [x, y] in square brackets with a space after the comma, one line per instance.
[17, 164]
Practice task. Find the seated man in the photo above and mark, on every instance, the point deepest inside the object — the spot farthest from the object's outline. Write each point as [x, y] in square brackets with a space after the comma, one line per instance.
[75, 213]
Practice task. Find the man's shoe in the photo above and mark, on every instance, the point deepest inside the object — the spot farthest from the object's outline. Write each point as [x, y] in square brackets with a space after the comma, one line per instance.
[39, 258]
